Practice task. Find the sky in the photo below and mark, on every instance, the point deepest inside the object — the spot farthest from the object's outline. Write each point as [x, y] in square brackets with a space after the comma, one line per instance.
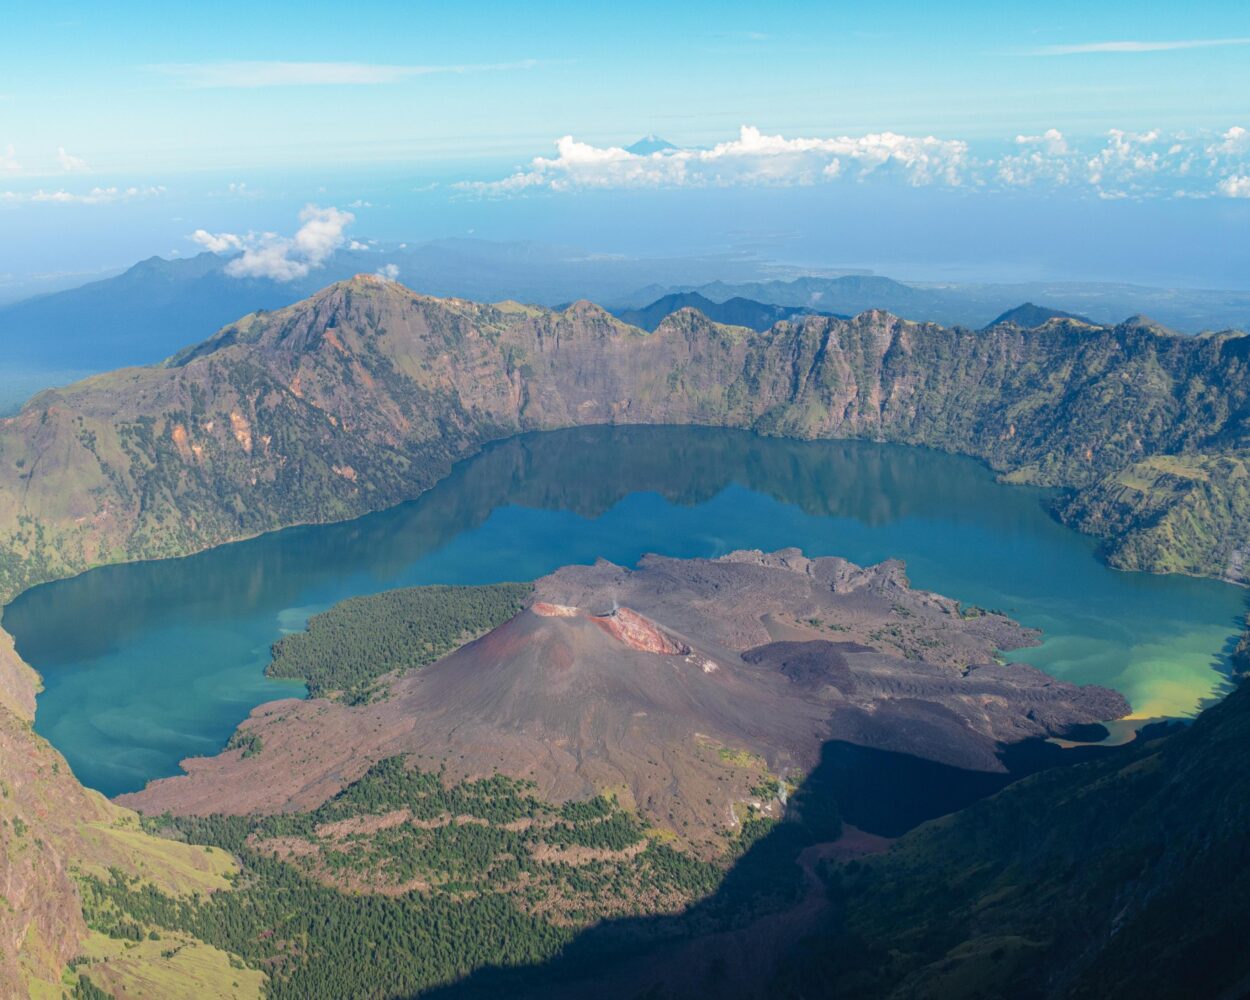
[1105, 141]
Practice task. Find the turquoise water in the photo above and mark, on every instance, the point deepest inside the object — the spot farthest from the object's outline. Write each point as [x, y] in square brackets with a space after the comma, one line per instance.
[149, 663]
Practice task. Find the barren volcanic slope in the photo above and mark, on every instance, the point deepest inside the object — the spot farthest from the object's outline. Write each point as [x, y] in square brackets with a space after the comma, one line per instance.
[363, 395]
[679, 687]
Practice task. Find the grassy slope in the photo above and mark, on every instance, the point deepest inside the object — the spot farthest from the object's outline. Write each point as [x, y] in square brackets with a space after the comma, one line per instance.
[53, 831]
[1172, 513]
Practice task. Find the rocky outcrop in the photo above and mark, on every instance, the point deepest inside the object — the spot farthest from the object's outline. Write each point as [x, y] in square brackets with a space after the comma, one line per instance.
[637, 632]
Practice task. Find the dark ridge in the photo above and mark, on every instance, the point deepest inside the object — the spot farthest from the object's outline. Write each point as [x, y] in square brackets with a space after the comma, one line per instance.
[1028, 316]
[736, 311]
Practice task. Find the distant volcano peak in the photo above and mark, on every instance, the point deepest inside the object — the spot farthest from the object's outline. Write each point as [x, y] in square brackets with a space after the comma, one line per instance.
[648, 145]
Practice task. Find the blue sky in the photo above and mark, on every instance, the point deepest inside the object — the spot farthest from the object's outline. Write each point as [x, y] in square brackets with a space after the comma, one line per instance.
[124, 128]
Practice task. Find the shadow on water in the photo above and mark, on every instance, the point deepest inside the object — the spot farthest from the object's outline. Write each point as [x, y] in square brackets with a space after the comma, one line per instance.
[728, 945]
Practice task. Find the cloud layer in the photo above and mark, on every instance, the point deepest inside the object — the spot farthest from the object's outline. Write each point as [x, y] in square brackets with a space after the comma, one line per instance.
[282, 258]
[66, 163]
[94, 196]
[751, 158]
[1122, 164]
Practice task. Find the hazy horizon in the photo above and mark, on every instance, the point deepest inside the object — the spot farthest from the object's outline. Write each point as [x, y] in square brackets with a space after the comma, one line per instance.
[986, 144]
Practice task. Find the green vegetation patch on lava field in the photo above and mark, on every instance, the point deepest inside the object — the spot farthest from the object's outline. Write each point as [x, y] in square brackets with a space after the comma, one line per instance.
[345, 650]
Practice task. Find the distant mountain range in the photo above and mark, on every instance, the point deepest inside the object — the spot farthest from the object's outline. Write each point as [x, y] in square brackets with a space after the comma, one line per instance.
[977, 305]
[732, 312]
[159, 306]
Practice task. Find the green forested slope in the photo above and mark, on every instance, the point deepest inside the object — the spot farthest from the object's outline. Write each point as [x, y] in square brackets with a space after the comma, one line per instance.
[1187, 513]
[404, 881]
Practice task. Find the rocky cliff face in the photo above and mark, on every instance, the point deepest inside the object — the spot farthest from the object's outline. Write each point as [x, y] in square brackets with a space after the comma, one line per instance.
[42, 922]
[364, 395]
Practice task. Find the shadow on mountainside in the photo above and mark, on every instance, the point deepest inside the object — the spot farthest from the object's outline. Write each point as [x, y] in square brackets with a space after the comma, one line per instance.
[729, 944]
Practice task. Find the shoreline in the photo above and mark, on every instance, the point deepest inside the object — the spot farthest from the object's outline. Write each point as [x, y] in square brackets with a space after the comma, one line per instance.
[1001, 478]
[902, 448]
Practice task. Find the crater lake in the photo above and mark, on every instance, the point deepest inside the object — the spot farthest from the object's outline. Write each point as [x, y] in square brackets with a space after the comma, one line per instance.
[145, 664]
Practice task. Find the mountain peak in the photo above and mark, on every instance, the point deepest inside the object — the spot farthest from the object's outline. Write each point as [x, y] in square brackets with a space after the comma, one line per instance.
[648, 145]
[1144, 322]
[1029, 315]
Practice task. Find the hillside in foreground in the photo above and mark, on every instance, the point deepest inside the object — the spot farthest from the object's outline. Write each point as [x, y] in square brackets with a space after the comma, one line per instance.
[53, 833]
[1120, 877]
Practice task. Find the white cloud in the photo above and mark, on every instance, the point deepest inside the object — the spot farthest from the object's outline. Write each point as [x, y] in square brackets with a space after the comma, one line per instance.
[357, 245]
[751, 158]
[1234, 142]
[242, 73]
[1042, 158]
[8, 160]
[95, 196]
[1235, 186]
[1124, 164]
[1128, 162]
[360, 203]
[389, 271]
[69, 163]
[217, 242]
[1085, 48]
[1051, 141]
[282, 258]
